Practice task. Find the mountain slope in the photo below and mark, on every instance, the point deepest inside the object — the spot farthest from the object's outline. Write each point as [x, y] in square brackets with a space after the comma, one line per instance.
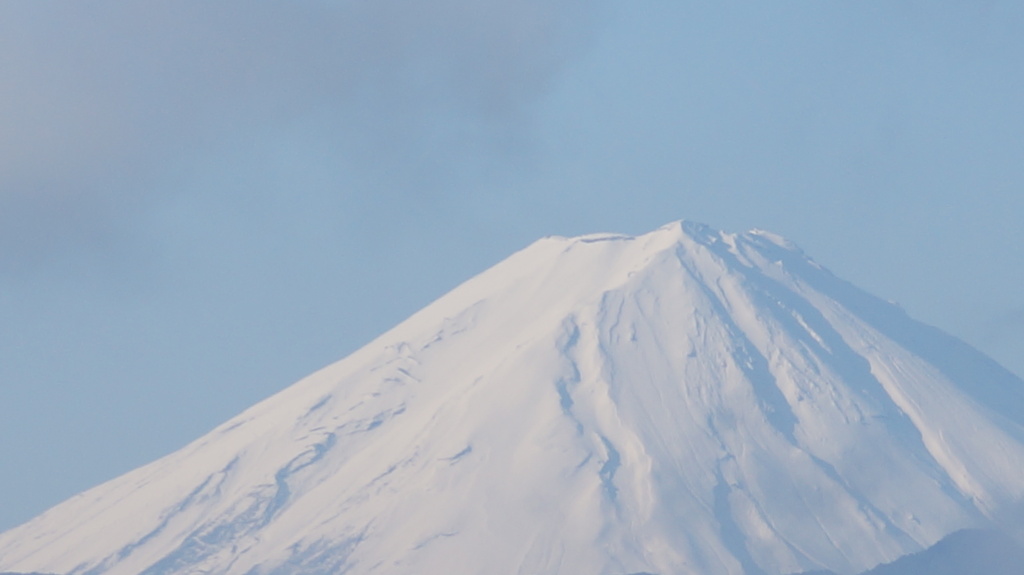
[686, 401]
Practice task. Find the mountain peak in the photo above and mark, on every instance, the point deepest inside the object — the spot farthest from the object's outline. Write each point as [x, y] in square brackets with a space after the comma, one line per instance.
[683, 401]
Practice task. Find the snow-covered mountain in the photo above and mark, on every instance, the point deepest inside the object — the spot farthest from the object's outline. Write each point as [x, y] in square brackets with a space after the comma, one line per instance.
[682, 402]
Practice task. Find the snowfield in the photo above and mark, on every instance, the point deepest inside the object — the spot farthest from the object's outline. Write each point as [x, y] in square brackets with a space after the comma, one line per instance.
[682, 402]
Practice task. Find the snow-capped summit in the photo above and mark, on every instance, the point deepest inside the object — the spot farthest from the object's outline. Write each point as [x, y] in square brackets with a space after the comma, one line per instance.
[682, 402]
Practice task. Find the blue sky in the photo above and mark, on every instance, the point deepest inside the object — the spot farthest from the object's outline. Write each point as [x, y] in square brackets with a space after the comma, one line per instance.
[202, 202]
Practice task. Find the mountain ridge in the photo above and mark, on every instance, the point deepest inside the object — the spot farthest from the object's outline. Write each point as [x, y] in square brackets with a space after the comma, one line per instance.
[686, 400]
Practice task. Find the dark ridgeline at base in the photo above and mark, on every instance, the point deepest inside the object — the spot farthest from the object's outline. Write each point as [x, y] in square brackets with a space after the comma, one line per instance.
[964, 552]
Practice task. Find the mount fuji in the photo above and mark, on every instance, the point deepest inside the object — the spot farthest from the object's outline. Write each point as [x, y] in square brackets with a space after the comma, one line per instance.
[686, 401]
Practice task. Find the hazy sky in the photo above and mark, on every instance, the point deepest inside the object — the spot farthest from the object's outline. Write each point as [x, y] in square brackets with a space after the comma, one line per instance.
[201, 202]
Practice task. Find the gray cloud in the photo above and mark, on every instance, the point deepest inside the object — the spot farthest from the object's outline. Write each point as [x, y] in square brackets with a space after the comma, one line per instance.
[102, 100]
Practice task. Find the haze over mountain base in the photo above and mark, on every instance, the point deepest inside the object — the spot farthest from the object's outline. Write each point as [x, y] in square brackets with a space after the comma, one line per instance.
[682, 402]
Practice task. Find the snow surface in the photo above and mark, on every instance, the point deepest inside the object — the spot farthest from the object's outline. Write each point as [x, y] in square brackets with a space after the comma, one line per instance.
[682, 402]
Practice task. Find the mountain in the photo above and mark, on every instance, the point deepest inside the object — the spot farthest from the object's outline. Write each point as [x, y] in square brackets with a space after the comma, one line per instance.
[963, 553]
[686, 401]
